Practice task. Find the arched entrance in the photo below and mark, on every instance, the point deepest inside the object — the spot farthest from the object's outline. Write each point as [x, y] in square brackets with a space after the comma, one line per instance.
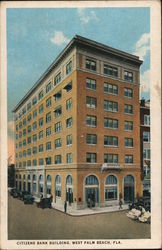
[69, 189]
[129, 188]
[111, 188]
[91, 190]
[34, 183]
[29, 184]
[48, 187]
[57, 188]
[41, 184]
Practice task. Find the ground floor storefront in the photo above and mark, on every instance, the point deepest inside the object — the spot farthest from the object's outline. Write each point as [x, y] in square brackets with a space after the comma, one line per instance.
[81, 187]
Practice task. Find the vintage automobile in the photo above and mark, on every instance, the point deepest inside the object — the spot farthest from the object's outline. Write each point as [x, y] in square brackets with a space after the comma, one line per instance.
[44, 203]
[28, 199]
[142, 202]
[22, 194]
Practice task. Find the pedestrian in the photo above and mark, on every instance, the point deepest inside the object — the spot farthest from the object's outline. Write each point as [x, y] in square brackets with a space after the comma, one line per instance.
[120, 204]
[65, 206]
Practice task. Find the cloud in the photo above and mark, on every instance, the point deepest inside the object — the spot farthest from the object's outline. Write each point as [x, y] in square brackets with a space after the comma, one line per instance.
[142, 46]
[59, 38]
[11, 126]
[145, 82]
[11, 151]
[85, 17]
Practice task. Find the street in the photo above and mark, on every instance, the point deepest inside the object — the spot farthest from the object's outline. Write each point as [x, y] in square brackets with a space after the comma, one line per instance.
[29, 222]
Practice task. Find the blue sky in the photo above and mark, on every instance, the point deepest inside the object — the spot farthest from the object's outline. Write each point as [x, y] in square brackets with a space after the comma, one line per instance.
[36, 36]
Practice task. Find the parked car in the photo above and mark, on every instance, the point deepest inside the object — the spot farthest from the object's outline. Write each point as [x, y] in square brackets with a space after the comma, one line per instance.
[22, 194]
[15, 194]
[44, 203]
[142, 202]
[28, 199]
[12, 191]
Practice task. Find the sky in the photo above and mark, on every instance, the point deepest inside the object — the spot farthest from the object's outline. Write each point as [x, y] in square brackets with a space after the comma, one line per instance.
[35, 37]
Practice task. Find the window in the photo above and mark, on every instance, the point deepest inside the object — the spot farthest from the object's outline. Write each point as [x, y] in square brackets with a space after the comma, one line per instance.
[34, 114]
[128, 142]
[91, 121]
[68, 87]
[146, 136]
[91, 84]
[91, 157]
[58, 127]
[68, 67]
[48, 117]
[34, 101]
[16, 127]
[68, 139]
[58, 159]
[128, 76]
[48, 87]
[48, 102]
[20, 134]
[110, 70]
[34, 150]
[58, 143]
[16, 136]
[29, 140]
[29, 129]
[24, 111]
[91, 139]
[128, 109]
[69, 122]
[24, 132]
[29, 106]
[40, 135]
[29, 118]
[128, 159]
[20, 125]
[29, 151]
[41, 109]
[146, 153]
[20, 144]
[58, 186]
[34, 138]
[110, 158]
[34, 126]
[24, 122]
[110, 123]
[20, 154]
[90, 64]
[41, 162]
[110, 141]
[58, 111]
[110, 88]
[69, 158]
[41, 148]
[34, 162]
[58, 96]
[24, 163]
[111, 188]
[57, 79]
[24, 142]
[128, 125]
[147, 120]
[48, 161]
[40, 95]
[48, 145]
[48, 131]
[110, 106]
[29, 163]
[68, 104]
[91, 102]
[128, 92]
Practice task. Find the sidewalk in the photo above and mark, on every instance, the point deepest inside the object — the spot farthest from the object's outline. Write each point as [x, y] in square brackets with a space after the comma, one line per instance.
[89, 211]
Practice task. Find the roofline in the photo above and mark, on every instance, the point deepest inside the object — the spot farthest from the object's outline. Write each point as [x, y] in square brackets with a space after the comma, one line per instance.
[78, 40]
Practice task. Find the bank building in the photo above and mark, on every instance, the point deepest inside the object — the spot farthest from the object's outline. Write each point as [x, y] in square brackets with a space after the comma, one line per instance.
[77, 130]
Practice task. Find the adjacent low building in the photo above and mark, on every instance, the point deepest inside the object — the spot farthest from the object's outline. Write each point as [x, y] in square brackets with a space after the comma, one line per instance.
[77, 130]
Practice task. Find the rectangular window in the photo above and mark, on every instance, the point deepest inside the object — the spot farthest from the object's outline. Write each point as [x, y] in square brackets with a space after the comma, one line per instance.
[91, 157]
[40, 135]
[48, 87]
[91, 84]
[110, 123]
[20, 134]
[128, 142]
[34, 150]
[128, 109]
[58, 143]
[91, 64]
[41, 162]
[110, 70]
[48, 102]
[29, 106]
[91, 121]
[68, 67]
[69, 86]
[69, 104]
[41, 148]
[68, 139]
[48, 161]
[24, 153]
[34, 162]
[24, 111]
[146, 153]
[29, 118]
[57, 79]
[58, 159]
[128, 92]
[57, 111]
[69, 158]
[128, 159]
[91, 102]
[40, 95]
[48, 117]
[48, 145]
[34, 114]
[48, 131]
[147, 120]
[91, 139]
[24, 132]
[34, 126]
[58, 127]
[69, 122]
[20, 125]
[128, 125]
[29, 129]
[34, 138]
[110, 88]
[29, 151]
[41, 109]
[34, 101]
[111, 141]
[146, 136]
[24, 122]
[110, 106]
[110, 158]
[58, 96]
[29, 140]
[128, 76]
[24, 143]
[16, 127]
[20, 144]
[29, 163]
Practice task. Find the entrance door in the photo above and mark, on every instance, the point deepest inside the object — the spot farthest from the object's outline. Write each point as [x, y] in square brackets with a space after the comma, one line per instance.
[69, 195]
[91, 195]
[29, 187]
[129, 188]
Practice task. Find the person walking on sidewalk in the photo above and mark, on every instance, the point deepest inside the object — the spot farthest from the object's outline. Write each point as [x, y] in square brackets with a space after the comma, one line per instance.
[120, 204]
[65, 206]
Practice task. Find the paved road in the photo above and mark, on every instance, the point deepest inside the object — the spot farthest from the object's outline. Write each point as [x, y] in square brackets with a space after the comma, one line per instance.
[30, 222]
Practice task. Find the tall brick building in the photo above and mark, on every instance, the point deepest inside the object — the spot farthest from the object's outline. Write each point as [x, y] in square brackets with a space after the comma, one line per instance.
[78, 128]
